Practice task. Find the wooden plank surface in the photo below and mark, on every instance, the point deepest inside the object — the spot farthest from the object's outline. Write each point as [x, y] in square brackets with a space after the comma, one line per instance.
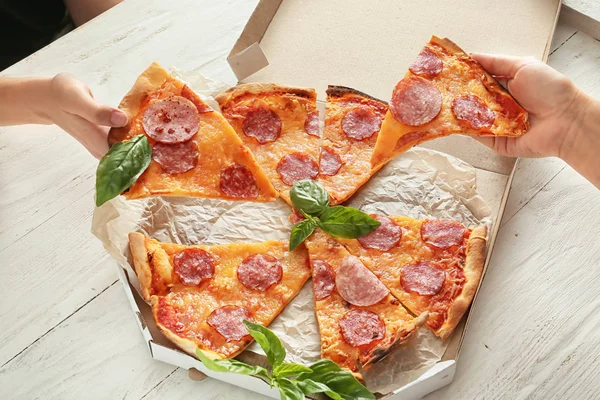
[68, 333]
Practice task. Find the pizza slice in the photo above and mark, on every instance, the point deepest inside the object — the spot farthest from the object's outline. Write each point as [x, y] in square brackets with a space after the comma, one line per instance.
[352, 122]
[280, 125]
[200, 295]
[360, 322]
[431, 266]
[195, 152]
[444, 92]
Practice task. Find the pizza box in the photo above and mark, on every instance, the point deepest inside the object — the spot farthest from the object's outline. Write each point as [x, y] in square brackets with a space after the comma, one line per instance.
[369, 46]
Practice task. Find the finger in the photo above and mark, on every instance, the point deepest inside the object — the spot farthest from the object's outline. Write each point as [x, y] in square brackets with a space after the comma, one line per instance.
[91, 136]
[504, 67]
[499, 144]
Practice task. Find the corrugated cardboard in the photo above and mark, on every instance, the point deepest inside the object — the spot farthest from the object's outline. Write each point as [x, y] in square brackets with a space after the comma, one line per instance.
[369, 46]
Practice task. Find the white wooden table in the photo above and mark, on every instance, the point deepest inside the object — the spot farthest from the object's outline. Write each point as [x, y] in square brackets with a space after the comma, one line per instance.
[66, 330]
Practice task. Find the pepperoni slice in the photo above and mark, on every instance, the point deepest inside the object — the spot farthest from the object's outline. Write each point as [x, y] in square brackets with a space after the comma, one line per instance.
[427, 64]
[423, 278]
[237, 181]
[262, 124]
[259, 272]
[384, 237]
[415, 101]
[442, 233]
[360, 123]
[296, 217]
[193, 265]
[323, 279]
[172, 120]
[229, 322]
[408, 138]
[331, 162]
[295, 167]
[510, 108]
[357, 284]
[189, 94]
[176, 158]
[311, 125]
[361, 327]
[471, 109]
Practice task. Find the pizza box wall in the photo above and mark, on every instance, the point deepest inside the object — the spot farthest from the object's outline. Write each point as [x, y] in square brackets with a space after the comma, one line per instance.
[369, 46]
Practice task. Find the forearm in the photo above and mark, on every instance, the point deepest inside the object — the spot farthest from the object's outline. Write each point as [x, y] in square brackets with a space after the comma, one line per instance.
[22, 100]
[582, 147]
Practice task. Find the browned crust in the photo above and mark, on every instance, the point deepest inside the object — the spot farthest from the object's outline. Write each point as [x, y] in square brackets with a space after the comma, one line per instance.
[335, 91]
[141, 263]
[473, 269]
[448, 45]
[402, 336]
[151, 79]
[245, 89]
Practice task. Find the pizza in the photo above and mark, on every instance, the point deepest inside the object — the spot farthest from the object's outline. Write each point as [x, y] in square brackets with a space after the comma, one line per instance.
[201, 294]
[445, 92]
[360, 321]
[195, 152]
[352, 122]
[430, 265]
[280, 125]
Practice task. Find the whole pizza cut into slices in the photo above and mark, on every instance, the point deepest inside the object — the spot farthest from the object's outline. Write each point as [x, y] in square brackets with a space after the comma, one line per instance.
[444, 92]
[195, 152]
[200, 295]
[280, 125]
[360, 322]
[431, 266]
[352, 122]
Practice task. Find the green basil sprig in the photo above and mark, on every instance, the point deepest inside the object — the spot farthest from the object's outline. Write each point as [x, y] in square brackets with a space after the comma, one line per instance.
[121, 166]
[294, 381]
[312, 200]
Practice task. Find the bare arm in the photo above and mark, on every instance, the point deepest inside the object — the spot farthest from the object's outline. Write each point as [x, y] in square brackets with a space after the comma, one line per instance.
[62, 100]
[82, 11]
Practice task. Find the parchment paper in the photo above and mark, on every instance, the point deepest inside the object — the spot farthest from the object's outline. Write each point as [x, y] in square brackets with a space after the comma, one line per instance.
[420, 183]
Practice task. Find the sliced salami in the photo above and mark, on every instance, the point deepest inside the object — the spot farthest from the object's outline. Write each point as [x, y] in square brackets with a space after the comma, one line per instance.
[311, 125]
[386, 236]
[259, 272]
[427, 64]
[323, 279]
[415, 101]
[296, 217]
[442, 233]
[229, 322]
[330, 163]
[176, 158]
[411, 138]
[262, 124]
[295, 167]
[193, 265]
[201, 106]
[172, 120]
[357, 284]
[360, 123]
[361, 327]
[471, 109]
[423, 278]
[237, 181]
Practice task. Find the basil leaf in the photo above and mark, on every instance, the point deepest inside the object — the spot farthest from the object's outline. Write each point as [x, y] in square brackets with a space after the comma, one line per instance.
[268, 341]
[121, 166]
[347, 222]
[308, 386]
[286, 369]
[342, 383]
[309, 196]
[300, 231]
[231, 365]
[288, 390]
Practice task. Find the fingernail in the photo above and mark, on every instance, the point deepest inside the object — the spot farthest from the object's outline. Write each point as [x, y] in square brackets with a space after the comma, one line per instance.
[118, 118]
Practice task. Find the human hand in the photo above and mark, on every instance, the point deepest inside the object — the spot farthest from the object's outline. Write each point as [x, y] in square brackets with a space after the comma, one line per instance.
[554, 104]
[70, 104]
